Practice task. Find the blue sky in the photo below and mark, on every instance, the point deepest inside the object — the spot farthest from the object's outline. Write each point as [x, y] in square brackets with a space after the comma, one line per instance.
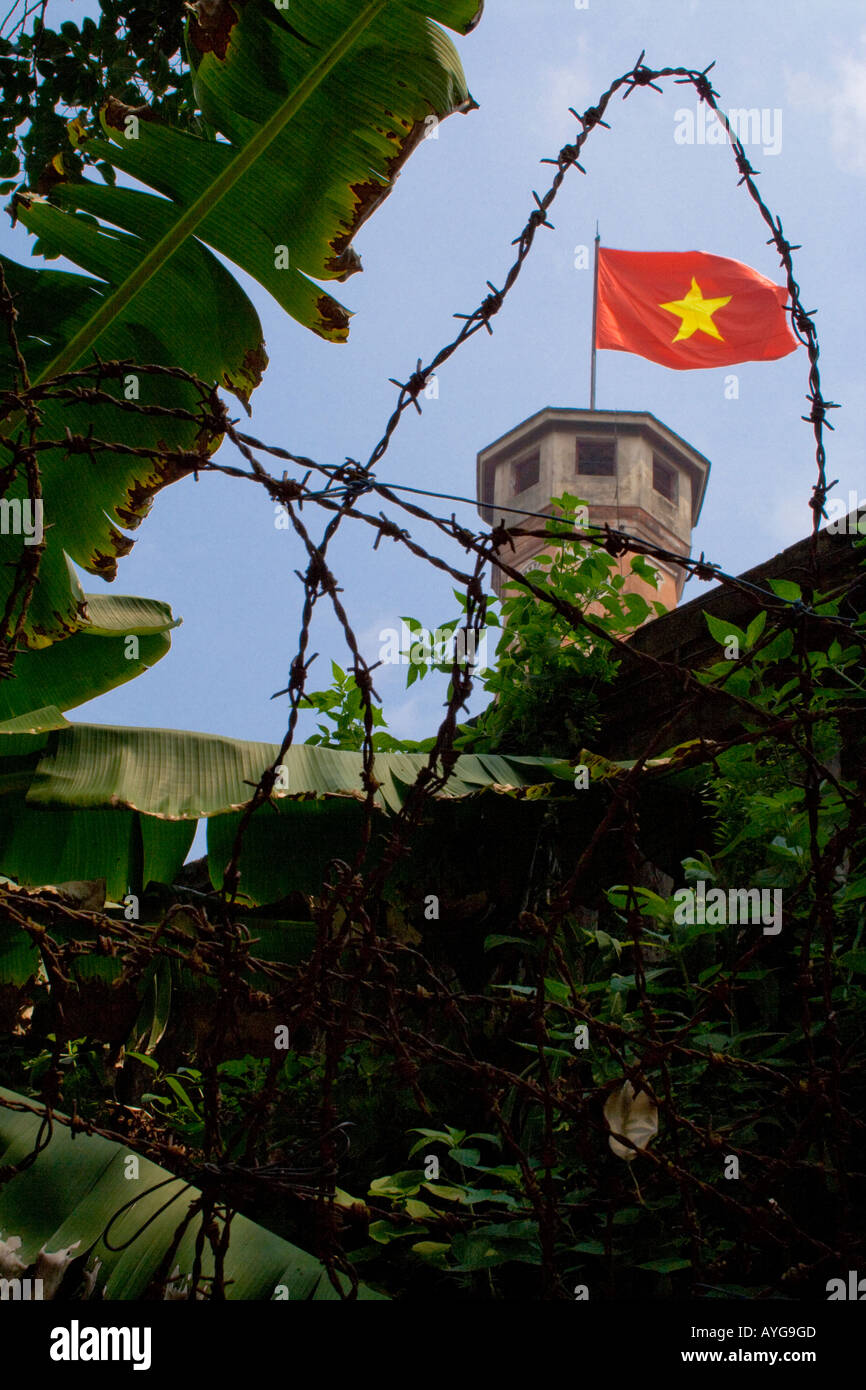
[211, 549]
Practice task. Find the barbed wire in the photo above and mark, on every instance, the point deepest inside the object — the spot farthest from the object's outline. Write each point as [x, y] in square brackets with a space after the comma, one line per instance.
[362, 987]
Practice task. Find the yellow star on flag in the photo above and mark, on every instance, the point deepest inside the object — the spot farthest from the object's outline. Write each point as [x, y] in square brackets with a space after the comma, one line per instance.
[696, 313]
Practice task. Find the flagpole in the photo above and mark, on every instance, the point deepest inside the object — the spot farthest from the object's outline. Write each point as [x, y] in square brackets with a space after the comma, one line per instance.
[594, 321]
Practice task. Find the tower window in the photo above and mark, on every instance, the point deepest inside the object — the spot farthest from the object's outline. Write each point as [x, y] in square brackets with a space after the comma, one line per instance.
[595, 458]
[665, 479]
[526, 473]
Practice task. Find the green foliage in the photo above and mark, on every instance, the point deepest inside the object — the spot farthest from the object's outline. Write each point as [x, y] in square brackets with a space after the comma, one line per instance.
[132, 52]
[518, 1184]
[546, 680]
[549, 675]
[76, 1199]
[342, 706]
[474, 1216]
[738, 1056]
[281, 194]
[554, 968]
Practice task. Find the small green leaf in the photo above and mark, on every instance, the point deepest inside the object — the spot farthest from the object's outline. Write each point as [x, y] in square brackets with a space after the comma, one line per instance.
[432, 1250]
[666, 1266]
[383, 1232]
[404, 1184]
[787, 589]
[446, 1192]
[722, 629]
[755, 628]
[490, 942]
[467, 1158]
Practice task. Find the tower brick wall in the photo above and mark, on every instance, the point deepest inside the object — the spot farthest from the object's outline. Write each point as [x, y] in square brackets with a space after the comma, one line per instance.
[635, 474]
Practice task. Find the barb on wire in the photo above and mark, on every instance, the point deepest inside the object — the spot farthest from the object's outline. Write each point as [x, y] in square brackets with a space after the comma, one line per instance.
[362, 987]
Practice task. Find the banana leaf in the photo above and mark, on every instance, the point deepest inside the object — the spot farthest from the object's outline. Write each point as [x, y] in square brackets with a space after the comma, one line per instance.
[95, 659]
[40, 846]
[176, 775]
[88, 494]
[73, 1196]
[80, 801]
[316, 112]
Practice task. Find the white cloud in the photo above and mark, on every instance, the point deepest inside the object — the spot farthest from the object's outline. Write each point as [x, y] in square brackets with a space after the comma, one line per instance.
[562, 86]
[843, 100]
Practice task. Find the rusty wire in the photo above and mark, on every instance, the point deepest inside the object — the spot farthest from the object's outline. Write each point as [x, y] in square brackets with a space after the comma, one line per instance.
[359, 985]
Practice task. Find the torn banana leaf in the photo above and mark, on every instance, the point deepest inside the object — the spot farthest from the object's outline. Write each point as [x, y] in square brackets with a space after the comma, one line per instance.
[99, 1215]
[316, 110]
[81, 801]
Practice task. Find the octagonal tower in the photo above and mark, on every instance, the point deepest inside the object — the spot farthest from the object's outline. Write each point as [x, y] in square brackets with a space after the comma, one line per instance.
[635, 473]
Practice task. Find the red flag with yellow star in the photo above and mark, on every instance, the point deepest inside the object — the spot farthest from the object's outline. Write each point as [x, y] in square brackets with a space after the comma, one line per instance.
[687, 309]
